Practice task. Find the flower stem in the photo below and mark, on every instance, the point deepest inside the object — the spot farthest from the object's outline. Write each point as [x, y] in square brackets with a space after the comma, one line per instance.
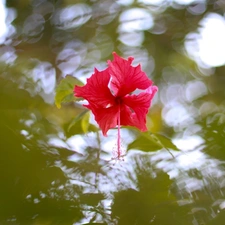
[118, 137]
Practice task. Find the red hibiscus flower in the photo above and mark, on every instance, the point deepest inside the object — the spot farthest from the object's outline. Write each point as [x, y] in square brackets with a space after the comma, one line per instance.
[110, 98]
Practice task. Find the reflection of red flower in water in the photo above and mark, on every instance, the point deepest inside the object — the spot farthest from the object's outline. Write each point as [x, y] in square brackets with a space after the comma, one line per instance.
[110, 98]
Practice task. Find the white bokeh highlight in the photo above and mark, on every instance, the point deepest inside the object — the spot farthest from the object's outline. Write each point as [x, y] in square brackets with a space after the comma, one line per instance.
[207, 45]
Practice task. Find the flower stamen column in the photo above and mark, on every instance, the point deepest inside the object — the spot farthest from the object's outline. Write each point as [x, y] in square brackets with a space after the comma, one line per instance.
[118, 138]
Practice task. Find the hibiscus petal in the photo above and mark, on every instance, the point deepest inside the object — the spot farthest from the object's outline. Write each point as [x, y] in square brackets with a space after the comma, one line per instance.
[96, 90]
[106, 118]
[139, 104]
[125, 77]
[127, 116]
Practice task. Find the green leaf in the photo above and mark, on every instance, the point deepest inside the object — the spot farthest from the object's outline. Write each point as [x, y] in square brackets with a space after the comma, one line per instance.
[144, 144]
[78, 119]
[85, 122]
[165, 141]
[149, 142]
[64, 91]
[80, 125]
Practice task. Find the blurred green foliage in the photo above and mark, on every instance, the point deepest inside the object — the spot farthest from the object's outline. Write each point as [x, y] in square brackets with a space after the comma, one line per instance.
[64, 91]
